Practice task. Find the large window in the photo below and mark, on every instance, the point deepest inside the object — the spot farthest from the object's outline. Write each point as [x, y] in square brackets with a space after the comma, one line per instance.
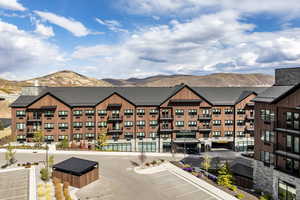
[267, 136]
[292, 143]
[228, 111]
[153, 111]
[192, 123]
[63, 125]
[179, 112]
[89, 112]
[128, 112]
[49, 113]
[240, 111]
[118, 147]
[266, 157]
[228, 122]
[192, 112]
[140, 123]
[216, 111]
[153, 123]
[49, 125]
[77, 112]
[128, 123]
[267, 115]
[20, 126]
[286, 191]
[89, 124]
[292, 120]
[147, 146]
[102, 112]
[62, 113]
[102, 124]
[77, 124]
[217, 122]
[216, 133]
[140, 111]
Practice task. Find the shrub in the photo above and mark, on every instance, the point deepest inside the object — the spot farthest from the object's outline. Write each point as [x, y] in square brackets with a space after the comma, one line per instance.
[147, 164]
[224, 176]
[186, 166]
[232, 187]
[44, 174]
[162, 160]
[265, 197]
[240, 196]
[154, 162]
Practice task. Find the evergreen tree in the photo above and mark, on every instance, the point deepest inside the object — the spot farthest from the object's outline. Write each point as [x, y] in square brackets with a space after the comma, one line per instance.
[225, 177]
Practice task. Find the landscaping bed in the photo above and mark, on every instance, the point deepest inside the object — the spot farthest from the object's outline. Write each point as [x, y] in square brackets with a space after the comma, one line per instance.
[211, 178]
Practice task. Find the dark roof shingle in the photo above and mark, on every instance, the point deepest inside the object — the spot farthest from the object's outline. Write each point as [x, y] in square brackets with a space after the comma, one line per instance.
[76, 166]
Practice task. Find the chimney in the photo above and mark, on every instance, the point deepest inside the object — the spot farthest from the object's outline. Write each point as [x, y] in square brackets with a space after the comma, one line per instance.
[287, 76]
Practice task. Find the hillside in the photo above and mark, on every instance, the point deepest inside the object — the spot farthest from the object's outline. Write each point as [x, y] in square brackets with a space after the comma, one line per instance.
[67, 79]
[212, 80]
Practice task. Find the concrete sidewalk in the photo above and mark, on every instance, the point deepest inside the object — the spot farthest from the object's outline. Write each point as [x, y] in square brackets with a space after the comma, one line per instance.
[178, 156]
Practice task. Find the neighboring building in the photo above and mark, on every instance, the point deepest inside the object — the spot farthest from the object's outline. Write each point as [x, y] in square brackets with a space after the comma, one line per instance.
[277, 137]
[152, 119]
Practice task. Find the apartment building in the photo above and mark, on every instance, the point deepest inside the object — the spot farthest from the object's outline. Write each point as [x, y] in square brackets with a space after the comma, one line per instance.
[152, 119]
[277, 135]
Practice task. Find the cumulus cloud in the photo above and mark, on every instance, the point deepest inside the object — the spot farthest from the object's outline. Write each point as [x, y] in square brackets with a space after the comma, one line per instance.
[112, 25]
[209, 43]
[43, 30]
[11, 5]
[75, 27]
[21, 51]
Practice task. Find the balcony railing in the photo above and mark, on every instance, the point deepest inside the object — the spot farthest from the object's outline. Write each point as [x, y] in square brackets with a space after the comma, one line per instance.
[115, 130]
[115, 118]
[204, 117]
[166, 117]
[204, 128]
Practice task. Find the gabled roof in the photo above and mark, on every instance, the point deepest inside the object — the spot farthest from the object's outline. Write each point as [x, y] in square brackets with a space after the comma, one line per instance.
[139, 96]
[274, 93]
[76, 166]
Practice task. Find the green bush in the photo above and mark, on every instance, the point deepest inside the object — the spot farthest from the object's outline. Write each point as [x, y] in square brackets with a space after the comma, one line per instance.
[265, 197]
[154, 162]
[240, 196]
[232, 187]
[44, 174]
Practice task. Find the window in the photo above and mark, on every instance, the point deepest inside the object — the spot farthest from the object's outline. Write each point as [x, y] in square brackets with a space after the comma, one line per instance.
[296, 121]
[63, 125]
[77, 136]
[128, 134]
[20, 113]
[296, 144]
[128, 111]
[140, 123]
[153, 111]
[153, 135]
[49, 137]
[228, 122]
[89, 135]
[266, 157]
[147, 146]
[240, 122]
[216, 111]
[49, 125]
[102, 112]
[62, 137]
[240, 111]
[102, 124]
[228, 133]
[128, 123]
[77, 112]
[89, 112]
[115, 112]
[267, 136]
[140, 111]
[20, 126]
[292, 120]
[89, 124]
[153, 123]
[217, 122]
[192, 123]
[192, 112]
[267, 115]
[179, 123]
[289, 142]
[286, 191]
[228, 111]
[140, 134]
[179, 112]
[62, 113]
[240, 134]
[77, 124]
[125, 147]
[49, 113]
[216, 133]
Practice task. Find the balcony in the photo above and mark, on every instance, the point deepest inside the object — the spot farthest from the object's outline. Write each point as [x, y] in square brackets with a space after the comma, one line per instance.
[205, 128]
[115, 118]
[34, 119]
[166, 129]
[114, 130]
[166, 117]
[204, 117]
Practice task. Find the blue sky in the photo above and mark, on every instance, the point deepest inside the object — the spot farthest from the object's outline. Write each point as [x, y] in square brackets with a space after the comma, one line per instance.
[139, 38]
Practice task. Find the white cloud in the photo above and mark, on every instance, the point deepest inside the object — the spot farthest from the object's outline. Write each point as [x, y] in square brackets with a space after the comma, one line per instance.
[209, 43]
[112, 25]
[21, 51]
[43, 30]
[11, 5]
[75, 27]
[287, 7]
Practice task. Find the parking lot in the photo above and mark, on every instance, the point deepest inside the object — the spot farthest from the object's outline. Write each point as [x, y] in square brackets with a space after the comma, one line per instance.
[119, 181]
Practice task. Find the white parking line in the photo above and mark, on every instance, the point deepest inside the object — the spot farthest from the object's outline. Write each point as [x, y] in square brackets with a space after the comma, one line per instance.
[186, 193]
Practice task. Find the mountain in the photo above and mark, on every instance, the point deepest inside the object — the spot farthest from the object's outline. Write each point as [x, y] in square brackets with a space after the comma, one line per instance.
[212, 80]
[67, 79]
[71, 79]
